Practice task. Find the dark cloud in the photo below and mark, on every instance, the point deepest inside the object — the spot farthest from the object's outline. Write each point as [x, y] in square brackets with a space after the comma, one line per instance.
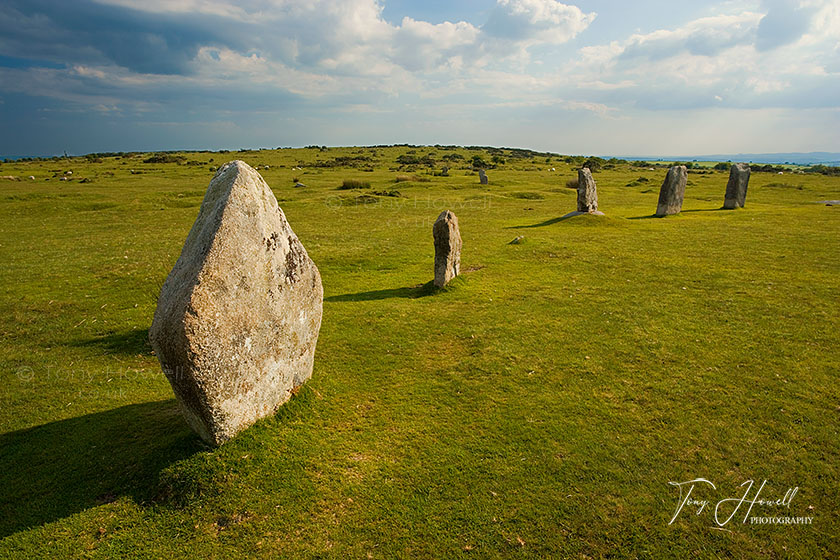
[784, 23]
[82, 32]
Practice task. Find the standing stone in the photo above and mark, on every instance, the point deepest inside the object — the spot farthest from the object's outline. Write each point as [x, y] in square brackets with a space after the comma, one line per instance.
[237, 319]
[587, 195]
[672, 192]
[736, 188]
[482, 176]
[447, 248]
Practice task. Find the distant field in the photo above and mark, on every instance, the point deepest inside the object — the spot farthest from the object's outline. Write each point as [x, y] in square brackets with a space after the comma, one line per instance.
[538, 407]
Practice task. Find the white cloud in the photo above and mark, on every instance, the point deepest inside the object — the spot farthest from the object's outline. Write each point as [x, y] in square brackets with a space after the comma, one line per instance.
[419, 45]
[534, 21]
[711, 61]
[706, 37]
[343, 57]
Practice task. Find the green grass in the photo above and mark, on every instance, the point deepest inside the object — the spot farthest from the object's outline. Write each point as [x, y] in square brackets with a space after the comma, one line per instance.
[537, 407]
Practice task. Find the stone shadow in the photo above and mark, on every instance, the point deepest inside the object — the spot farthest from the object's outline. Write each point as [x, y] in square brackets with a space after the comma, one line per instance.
[55, 470]
[656, 216]
[128, 343]
[543, 224]
[413, 292]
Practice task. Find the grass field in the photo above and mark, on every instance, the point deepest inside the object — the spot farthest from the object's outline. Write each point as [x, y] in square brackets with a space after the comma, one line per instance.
[538, 407]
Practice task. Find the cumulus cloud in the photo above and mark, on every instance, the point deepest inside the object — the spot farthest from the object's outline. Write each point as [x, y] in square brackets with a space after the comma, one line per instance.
[182, 57]
[725, 60]
[706, 36]
[532, 21]
[419, 45]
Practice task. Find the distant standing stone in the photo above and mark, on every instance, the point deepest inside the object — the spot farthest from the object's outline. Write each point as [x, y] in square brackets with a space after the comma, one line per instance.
[482, 176]
[672, 192]
[587, 194]
[447, 248]
[736, 188]
[238, 317]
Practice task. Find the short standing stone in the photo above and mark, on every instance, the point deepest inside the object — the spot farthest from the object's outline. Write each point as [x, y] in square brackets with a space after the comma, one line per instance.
[238, 317]
[482, 176]
[672, 192]
[736, 188]
[447, 248]
[587, 195]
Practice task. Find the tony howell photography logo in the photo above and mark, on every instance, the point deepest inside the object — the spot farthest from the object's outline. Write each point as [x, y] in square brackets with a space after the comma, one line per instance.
[701, 497]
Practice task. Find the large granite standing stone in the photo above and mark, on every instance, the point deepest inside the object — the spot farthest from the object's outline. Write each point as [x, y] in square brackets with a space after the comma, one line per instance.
[672, 192]
[237, 319]
[447, 248]
[736, 188]
[482, 176]
[587, 195]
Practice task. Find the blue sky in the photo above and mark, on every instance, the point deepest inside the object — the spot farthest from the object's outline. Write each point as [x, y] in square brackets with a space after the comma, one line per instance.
[589, 77]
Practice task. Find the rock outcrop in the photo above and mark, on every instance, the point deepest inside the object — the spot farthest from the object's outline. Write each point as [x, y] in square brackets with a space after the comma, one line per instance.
[238, 317]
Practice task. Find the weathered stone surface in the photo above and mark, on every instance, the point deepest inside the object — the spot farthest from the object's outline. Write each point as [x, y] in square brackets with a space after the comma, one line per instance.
[587, 194]
[672, 192]
[238, 317]
[482, 176]
[447, 248]
[736, 188]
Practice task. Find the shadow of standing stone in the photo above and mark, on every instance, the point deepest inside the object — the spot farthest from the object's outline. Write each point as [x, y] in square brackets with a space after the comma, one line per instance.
[672, 192]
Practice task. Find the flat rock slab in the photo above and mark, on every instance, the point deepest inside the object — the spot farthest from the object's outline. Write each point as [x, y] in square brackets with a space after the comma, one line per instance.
[672, 192]
[447, 237]
[829, 202]
[238, 317]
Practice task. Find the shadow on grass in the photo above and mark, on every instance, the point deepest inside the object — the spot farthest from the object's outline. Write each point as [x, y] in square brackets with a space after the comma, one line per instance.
[52, 471]
[542, 224]
[651, 217]
[704, 210]
[413, 292]
[657, 216]
[129, 343]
